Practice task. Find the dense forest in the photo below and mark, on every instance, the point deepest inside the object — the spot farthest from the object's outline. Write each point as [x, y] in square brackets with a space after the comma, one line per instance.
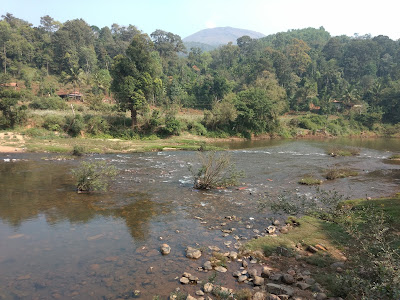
[243, 89]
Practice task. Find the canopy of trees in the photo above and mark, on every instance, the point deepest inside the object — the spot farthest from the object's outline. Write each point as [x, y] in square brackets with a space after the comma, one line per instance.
[298, 70]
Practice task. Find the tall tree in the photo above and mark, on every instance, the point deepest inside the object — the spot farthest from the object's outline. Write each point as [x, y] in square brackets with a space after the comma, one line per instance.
[132, 75]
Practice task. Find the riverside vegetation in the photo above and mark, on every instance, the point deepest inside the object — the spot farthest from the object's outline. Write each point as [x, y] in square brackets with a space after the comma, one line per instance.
[297, 83]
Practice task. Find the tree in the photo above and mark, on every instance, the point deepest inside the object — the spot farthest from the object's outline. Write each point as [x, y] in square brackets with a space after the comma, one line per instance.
[133, 74]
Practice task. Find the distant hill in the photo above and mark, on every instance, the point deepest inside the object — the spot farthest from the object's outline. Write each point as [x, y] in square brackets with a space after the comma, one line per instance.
[220, 36]
[202, 46]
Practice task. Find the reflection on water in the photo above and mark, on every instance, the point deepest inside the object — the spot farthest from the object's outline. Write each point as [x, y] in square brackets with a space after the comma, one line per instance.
[55, 243]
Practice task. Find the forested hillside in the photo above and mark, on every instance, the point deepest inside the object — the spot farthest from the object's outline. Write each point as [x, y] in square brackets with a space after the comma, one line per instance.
[244, 88]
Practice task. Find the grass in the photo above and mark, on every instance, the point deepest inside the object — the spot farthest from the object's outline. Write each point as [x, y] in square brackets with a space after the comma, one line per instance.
[395, 157]
[309, 180]
[340, 173]
[312, 231]
[343, 151]
[333, 236]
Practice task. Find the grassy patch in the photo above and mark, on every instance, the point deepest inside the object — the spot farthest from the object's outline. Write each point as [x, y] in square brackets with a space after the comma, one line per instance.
[310, 180]
[312, 231]
[340, 173]
[343, 151]
[395, 157]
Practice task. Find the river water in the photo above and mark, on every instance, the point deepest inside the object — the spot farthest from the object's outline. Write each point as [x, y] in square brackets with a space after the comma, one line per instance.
[57, 244]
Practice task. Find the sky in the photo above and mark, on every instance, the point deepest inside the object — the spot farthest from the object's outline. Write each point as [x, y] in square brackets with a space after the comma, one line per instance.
[185, 17]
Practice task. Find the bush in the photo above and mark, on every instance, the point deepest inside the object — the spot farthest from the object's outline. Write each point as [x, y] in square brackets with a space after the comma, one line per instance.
[172, 126]
[96, 125]
[52, 103]
[340, 173]
[93, 176]
[216, 170]
[74, 125]
[197, 128]
[78, 150]
[54, 122]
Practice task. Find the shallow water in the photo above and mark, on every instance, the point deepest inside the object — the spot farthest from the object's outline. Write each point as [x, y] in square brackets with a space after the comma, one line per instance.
[55, 243]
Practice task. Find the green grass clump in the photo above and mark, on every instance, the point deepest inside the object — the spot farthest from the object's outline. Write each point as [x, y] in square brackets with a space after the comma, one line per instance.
[340, 173]
[343, 151]
[395, 157]
[310, 180]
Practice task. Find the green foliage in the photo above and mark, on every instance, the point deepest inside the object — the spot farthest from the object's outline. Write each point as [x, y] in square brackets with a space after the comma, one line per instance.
[78, 150]
[340, 173]
[54, 122]
[197, 128]
[216, 170]
[310, 180]
[74, 125]
[96, 125]
[94, 176]
[343, 151]
[172, 126]
[51, 103]
[11, 113]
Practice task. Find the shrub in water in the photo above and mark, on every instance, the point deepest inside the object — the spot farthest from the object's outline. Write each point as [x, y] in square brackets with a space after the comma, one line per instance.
[216, 170]
[93, 176]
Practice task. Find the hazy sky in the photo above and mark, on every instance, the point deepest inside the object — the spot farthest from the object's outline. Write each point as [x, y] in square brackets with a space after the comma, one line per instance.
[185, 17]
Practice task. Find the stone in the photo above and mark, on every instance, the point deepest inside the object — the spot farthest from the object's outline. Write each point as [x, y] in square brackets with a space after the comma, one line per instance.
[258, 281]
[266, 272]
[283, 297]
[190, 297]
[244, 264]
[321, 247]
[237, 273]
[207, 265]
[165, 249]
[259, 296]
[312, 249]
[276, 277]
[338, 264]
[291, 272]
[193, 278]
[272, 297]
[242, 278]
[288, 279]
[233, 255]
[321, 296]
[193, 253]
[214, 248]
[310, 281]
[252, 272]
[208, 287]
[220, 269]
[270, 229]
[184, 280]
[276, 223]
[284, 230]
[278, 289]
[199, 293]
[303, 285]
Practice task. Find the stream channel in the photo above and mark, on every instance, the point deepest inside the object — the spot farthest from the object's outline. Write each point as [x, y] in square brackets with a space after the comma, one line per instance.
[57, 244]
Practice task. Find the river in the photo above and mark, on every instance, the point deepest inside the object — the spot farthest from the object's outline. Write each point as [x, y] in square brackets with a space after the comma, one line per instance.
[57, 244]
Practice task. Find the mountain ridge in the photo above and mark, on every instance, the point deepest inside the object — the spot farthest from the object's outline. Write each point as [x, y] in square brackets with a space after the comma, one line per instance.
[221, 35]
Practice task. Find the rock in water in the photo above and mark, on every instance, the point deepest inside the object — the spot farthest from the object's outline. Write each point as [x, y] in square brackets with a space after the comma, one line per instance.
[165, 249]
[193, 253]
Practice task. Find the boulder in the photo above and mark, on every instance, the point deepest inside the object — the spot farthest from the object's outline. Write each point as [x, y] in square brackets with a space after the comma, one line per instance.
[288, 279]
[193, 253]
[259, 296]
[257, 280]
[279, 289]
[207, 265]
[165, 249]
[220, 269]
[184, 280]
[208, 287]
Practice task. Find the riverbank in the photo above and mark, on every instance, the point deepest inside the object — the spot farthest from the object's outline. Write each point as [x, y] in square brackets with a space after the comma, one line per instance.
[49, 142]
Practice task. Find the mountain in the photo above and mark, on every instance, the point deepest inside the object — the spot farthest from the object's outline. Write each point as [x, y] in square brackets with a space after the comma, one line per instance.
[220, 36]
